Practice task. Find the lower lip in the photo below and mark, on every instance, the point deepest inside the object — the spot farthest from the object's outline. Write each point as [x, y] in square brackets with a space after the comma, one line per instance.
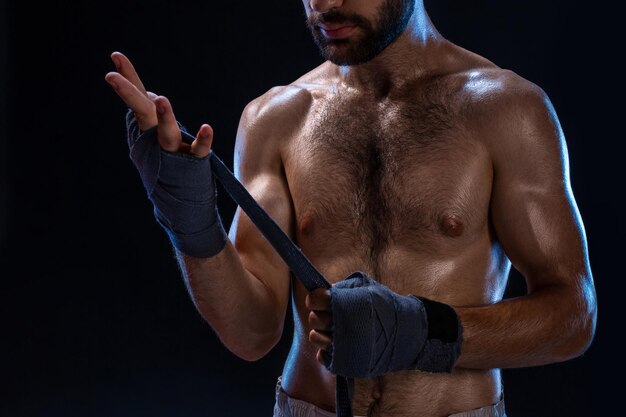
[339, 33]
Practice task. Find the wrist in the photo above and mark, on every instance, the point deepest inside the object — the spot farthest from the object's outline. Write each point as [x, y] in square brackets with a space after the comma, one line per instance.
[182, 190]
[203, 244]
[442, 347]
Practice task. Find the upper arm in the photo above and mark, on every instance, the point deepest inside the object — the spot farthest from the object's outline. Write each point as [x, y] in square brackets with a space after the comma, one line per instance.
[258, 166]
[533, 210]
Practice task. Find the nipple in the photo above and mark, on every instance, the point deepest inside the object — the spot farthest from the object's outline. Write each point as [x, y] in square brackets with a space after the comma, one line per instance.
[451, 225]
[306, 224]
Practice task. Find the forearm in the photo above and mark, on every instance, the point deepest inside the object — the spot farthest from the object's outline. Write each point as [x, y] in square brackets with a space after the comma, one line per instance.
[238, 306]
[552, 324]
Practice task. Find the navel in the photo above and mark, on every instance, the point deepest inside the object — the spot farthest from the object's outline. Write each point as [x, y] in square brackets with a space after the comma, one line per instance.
[451, 225]
[377, 392]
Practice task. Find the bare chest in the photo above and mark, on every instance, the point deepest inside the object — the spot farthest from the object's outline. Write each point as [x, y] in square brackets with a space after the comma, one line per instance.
[368, 178]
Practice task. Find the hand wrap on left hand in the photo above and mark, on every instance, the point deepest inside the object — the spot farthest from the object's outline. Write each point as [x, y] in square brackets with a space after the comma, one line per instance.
[182, 190]
[376, 331]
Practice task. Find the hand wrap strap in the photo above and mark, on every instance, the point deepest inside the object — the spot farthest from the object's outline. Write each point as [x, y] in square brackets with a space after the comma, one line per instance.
[182, 189]
[442, 345]
[376, 331]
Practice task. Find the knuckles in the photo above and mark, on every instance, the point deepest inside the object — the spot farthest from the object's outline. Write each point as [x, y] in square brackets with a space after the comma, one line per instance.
[318, 299]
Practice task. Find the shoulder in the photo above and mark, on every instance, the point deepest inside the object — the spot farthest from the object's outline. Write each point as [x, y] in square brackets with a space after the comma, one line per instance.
[492, 89]
[517, 124]
[284, 108]
[270, 121]
[508, 112]
[501, 99]
[486, 95]
[279, 108]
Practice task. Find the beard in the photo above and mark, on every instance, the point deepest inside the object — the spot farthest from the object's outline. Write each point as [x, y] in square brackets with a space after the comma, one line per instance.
[392, 18]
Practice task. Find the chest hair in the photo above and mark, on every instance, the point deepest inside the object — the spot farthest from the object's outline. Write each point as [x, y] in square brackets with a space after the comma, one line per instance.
[382, 172]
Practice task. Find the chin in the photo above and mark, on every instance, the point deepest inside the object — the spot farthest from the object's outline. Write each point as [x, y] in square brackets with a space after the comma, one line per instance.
[342, 59]
[341, 55]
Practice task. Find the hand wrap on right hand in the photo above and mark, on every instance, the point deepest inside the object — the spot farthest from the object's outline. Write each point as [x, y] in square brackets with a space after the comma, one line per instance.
[182, 189]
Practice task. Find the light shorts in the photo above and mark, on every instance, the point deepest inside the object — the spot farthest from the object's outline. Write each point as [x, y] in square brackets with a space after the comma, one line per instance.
[290, 407]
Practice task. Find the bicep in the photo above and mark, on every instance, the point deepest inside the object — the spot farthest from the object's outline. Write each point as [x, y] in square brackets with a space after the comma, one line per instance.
[258, 166]
[534, 213]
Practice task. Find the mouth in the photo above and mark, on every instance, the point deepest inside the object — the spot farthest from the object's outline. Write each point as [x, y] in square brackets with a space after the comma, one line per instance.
[339, 31]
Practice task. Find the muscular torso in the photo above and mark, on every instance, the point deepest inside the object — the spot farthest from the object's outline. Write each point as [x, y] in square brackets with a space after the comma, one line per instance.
[397, 187]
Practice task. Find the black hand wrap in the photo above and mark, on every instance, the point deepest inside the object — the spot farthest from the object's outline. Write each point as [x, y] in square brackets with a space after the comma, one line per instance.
[376, 331]
[182, 189]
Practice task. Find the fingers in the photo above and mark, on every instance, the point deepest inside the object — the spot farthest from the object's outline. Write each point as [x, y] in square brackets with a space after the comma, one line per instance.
[202, 145]
[168, 132]
[321, 320]
[129, 87]
[320, 356]
[141, 105]
[153, 110]
[127, 70]
[320, 339]
[318, 299]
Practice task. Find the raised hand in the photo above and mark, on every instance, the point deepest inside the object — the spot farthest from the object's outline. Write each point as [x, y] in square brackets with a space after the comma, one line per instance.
[153, 110]
[176, 173]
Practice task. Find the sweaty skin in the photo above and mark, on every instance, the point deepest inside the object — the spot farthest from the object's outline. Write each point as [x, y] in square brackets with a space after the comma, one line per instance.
[431, 188]
[428, 168]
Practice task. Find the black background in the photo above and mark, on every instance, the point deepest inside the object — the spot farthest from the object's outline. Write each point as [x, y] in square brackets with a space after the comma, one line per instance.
[95, 318]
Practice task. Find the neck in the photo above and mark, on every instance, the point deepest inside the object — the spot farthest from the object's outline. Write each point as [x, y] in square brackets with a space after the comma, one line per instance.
[409, 57]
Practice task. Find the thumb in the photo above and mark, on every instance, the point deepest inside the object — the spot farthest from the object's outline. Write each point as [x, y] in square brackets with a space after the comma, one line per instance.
[202, 145]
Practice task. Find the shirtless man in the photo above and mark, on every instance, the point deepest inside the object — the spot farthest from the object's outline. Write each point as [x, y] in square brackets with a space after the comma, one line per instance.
[423, 165]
